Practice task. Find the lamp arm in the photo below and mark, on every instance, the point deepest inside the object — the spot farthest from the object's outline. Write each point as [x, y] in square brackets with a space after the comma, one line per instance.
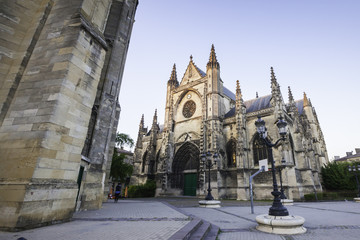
[269, 144]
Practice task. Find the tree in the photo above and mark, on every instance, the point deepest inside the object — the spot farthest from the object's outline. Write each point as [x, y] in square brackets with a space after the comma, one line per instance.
[337, 177]
[124, 139]
[120, 170]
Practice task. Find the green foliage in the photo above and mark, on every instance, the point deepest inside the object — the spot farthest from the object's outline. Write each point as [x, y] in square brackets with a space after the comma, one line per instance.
[119, 169]
[321, 196]
[330, 196]
[142, 190]
[124, 139]
[337, 177]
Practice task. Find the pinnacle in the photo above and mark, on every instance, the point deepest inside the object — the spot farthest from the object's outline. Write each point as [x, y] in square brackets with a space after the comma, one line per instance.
[306, 101]
[212, 59]
[173, 76]
[291, 98]
[273, 78]
[238, 90]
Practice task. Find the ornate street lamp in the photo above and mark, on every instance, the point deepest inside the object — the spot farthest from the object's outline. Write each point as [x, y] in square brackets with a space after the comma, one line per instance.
[277, 209]
[282, 196]
[206, 160]
[355, 169]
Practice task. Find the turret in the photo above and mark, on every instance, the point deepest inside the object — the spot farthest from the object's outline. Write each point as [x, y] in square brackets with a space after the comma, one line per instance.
[293, 111]
[171, 84]
[141, 133]
[277, 100]
[214, 99]
[213, 63]
[240, 111]
[214, 85]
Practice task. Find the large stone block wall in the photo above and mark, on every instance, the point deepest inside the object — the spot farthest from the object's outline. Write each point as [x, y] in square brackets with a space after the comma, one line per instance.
[52, 55]
[117, 33]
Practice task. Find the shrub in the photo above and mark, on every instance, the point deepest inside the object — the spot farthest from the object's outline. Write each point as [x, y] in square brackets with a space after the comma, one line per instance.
[142, 190]
[337, 177]
[311, 197]
[329, 196]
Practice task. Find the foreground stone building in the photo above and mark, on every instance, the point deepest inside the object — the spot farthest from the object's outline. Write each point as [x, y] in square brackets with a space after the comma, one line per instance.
[61, 65]
[202, 115]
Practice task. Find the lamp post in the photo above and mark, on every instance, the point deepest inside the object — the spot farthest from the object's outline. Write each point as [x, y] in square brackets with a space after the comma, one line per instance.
[355, 169]
[206, 160]
[277, 209]
[282, 196]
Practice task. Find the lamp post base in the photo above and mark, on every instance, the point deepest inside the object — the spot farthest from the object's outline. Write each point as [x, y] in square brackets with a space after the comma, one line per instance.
[287, 202]
[209, 203]
[288, 225]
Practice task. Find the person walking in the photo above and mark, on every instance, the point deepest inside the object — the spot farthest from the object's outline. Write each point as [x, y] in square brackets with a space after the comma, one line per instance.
[117, 192]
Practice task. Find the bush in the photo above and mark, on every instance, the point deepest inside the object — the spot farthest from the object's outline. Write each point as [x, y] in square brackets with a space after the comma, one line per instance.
[330, 196]
[142, 190]
[311, 197]
[337, 177]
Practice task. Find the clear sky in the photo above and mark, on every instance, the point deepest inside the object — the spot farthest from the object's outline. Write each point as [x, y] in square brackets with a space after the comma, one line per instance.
[313, 46]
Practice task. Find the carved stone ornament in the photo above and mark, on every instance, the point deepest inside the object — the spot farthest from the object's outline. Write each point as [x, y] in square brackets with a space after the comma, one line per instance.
[189, 109]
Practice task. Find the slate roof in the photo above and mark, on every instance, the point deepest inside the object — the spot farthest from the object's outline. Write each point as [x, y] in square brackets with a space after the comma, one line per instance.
[160, 127]
[230, 113]
[257, 104]
[300, 105]
[229, 93]
[253, 105]
[203, 74]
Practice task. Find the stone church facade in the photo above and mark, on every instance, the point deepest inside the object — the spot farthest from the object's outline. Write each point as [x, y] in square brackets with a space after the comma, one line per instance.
[201, 115]
[61, 69]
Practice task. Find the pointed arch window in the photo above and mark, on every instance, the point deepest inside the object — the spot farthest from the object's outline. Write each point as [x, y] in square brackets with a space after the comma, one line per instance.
[259, 149]
[143, 162]
[292, 148]
[231, 153]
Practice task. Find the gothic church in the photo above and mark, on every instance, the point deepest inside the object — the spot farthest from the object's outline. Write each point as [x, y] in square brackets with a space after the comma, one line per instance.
[201, 115]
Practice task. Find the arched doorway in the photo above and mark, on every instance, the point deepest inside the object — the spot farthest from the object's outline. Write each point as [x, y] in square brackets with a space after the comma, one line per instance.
[185, 169]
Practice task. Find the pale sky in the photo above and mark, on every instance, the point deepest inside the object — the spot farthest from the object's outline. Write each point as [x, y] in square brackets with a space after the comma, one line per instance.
[313, 46]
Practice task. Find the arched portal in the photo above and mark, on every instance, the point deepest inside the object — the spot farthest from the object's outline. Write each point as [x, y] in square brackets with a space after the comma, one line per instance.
[185, 169]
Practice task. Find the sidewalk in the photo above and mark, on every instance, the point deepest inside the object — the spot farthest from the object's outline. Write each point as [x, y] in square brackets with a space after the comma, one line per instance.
[126, 219]
[158, 219]
[323, 220]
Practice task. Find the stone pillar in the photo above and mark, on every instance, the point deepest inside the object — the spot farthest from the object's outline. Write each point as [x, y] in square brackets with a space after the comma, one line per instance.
[55, 54]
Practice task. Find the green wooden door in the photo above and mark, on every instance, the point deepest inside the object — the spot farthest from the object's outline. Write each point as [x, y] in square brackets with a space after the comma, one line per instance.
[190, 183]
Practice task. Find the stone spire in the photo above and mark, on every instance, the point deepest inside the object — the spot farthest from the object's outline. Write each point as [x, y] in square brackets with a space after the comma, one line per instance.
[213, 63]
[239, 101]
[274, 84]
[275, 87]
[291, 98]
[238, 90]
[240, 116]
[292, 105]
[141, 133]
[141, 125]
[155, 118]
[306, 101]
[173, 77]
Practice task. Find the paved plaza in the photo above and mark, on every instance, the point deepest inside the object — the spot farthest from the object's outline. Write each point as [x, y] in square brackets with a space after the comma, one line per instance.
[156, 218]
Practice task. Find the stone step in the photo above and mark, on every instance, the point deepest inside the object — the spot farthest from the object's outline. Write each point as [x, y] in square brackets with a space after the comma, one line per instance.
[187, 230]
[213, 233]
[201, 231]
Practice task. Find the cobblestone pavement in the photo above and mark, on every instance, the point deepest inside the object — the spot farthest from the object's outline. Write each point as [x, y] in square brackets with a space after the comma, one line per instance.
[126, 219]
[323, 220]
[160, 218]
